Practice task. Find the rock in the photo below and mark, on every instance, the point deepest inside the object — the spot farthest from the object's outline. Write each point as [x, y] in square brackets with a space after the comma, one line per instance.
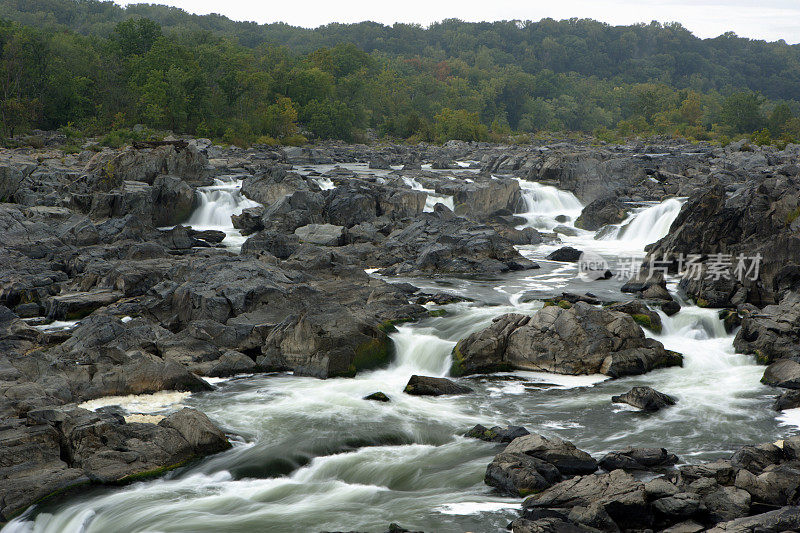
[68, 447]
[321, 234]
[377, 397]
[173, 200]
[638, 459]
[280, 245]
[429, 386]
[76, 305]
[249, 220]
[566, 254]
[645, 398]
[640, 313]
[688, 526]
[565, 230]
[780, 520]
[497, 433]
[562, 454]
[772, 333]
[601, 212]
[517, 474]
[379, 163]
[783, 373]
[671, 307]
[618, 493]
[648, 286]
[680, 505]
[580, 340]
[787, 400]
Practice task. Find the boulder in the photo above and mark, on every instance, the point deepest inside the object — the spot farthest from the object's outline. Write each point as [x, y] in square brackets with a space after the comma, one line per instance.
[638, 459]
[642, 314]
[787, 400]
[321, 234]
[173, 200]
[562, 454]
[430, 386]
[579, 340]
[618, 493]
[566, 254]
[517, 474]
[377, 397]
[784, 373]
[601, 212]
[645, 398]
[497, 433]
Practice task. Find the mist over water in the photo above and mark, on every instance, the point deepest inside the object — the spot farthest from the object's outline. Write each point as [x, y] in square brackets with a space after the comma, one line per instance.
[312, 455]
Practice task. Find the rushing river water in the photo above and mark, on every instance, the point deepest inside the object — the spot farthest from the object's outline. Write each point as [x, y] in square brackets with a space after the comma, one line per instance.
[311, 455]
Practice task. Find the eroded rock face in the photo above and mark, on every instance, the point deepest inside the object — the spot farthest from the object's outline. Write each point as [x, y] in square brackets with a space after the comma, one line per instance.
[580, 340]
[773, 333]
[58, 448]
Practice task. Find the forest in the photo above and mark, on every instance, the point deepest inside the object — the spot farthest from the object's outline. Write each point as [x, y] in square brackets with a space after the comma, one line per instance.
[91, 68]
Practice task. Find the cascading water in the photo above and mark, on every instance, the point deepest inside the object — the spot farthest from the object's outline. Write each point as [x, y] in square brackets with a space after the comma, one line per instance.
[324, 184]
[218, 203]
[647, 225]
[432, 199]
[544, 203]
[313, 455]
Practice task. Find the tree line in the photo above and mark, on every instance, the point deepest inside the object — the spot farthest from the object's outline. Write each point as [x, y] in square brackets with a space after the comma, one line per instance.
[91, 68]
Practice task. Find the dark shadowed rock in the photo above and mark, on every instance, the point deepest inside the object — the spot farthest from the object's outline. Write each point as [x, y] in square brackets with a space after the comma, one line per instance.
[377, 397]
[787, 400]
[638, 459]
[772, 333]
[603, 211]
[517, 474]
[429, 386]
[566, 254]
[497, 433]
[644, 398]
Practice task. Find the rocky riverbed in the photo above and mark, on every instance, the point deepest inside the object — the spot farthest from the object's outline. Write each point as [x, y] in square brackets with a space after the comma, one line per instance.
[179, 318]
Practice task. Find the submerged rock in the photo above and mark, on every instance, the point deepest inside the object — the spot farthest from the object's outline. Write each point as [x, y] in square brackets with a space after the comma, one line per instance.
[429, 386]
[645, 398]
[377, 397]
[497, 433]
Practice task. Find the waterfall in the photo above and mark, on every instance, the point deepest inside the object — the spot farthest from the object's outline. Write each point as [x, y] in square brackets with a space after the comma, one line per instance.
[543, 203]
[432, 199]
[647, 225]
[325, 184]
[217, 204]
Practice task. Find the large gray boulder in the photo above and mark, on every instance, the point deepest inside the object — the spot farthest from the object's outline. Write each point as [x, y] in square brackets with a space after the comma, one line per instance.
[582, 339]
[603, 211]
[321, 234]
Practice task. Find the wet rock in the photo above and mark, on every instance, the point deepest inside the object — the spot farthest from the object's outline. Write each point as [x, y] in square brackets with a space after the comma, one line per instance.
[430, 386]
[68, 447]
[580, 340]
[671, 307]
[642, 314]
[566, 230]
[497, 433]
[377, 397]
[603, 211]
[566, 254]
[787, 400]
[783, 373]
[648, 286]
[638, 459]
[249, 221]
[645, 398]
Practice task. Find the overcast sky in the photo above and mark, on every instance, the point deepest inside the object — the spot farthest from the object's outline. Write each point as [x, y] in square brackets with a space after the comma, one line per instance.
[764, 19]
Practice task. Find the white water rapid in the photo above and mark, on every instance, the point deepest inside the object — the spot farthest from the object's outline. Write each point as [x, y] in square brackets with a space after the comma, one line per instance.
[313, 455]
[218, 203]
[432, 199]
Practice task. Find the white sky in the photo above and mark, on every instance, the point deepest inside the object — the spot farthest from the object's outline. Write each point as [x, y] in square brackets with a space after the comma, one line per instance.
[765, 19]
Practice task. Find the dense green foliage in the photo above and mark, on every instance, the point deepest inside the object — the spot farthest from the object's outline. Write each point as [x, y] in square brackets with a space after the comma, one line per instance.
[94, 66]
